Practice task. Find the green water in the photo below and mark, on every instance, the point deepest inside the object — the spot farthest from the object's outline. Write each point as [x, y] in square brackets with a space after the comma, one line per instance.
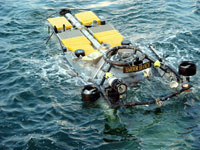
[40, 101]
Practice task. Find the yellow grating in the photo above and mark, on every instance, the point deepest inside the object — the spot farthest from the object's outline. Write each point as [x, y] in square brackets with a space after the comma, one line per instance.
[111, 37]
[87, 18]
[80, 42]
[59, 21]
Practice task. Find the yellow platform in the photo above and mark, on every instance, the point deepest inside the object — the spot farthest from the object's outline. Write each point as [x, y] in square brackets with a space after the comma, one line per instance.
[87, 18]
[80, 42]
[59, 21]
[111, 37]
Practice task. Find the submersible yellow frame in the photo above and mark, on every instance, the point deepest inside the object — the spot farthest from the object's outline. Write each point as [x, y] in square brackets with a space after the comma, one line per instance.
[90, 38]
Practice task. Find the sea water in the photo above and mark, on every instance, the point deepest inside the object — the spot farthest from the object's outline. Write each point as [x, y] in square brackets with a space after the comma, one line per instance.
[40, 100]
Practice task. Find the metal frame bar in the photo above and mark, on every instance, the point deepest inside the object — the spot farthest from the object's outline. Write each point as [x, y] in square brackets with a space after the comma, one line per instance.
[154, 101]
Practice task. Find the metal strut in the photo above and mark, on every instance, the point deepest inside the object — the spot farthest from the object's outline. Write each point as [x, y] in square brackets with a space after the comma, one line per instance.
[104, 78]
[155, 101]
[154, 51]
[49, 37]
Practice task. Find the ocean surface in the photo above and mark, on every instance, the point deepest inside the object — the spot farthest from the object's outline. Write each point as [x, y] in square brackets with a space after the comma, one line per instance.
[40, 101]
